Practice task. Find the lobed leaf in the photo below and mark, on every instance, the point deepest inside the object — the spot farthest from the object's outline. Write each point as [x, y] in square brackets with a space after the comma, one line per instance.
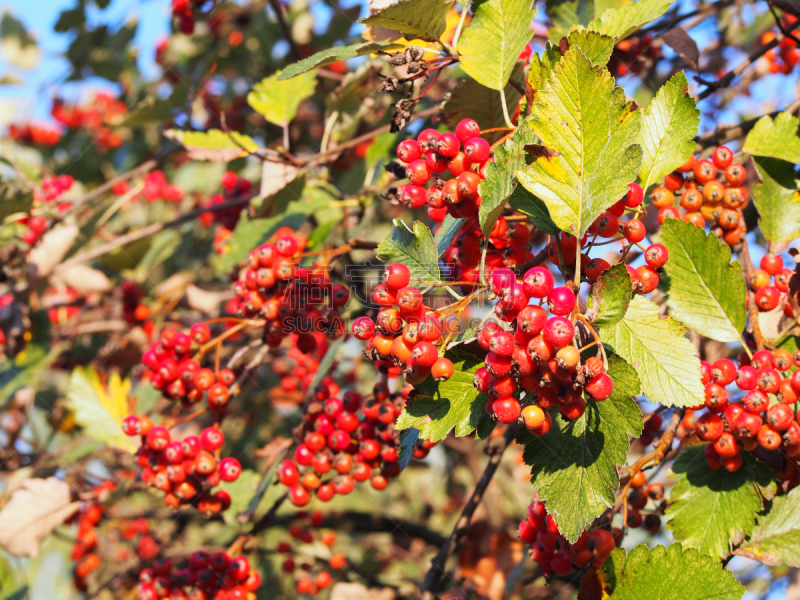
[713, 510]
[671, 573]
[491, 44]
[213, 145]
[663, 358]
[415, 19]
[415, 248]
[705, 291]
[775, 540]
[437, 408]
[278, 100]
[575, 466]
[596, 46]
[775, 138]
[777, 200]
[620, 22]
[335, 54]
[668, 128]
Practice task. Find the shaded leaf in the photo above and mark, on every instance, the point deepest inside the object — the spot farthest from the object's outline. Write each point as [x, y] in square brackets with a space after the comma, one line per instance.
[408, 441]
[775, 138]
[565, 14]
[500, 180]
[581, 115]
[335, 54]
[277, 101]
[775, 540]
[17, 46]
[668, 128]
[492, 42]
[672, 573]
[446, 232]
[611, 296]
[620, 22]
[663, 358]
[414, 248]
[242, 491]
[213, 145]
[705, 291]
[713, 510]
[415, 19]
[777, 200]
[536, 211]
[34, 511]
[575, 466]
[437, 408]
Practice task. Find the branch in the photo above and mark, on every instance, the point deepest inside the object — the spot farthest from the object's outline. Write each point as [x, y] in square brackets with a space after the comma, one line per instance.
[144, 232]
[722, 135]
[727, 79]
[437, 569]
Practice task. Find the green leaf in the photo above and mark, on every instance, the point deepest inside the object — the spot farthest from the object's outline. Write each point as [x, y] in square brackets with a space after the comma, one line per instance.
[408, 441]
[446, 232]
[490, 46]
[26, 368]
[150, 110]
[335, 54]
[777, 200]
[278, 100]
[565, 14]
[242, 492]
[775, 139]
[533, 208]
[663, 358]
[575, 465]
[611, 296]
[541, 68]
[588, 130]
[415, 19]
[437, 408]
[162, 246]
[668, 128]
[775, 540]
[414, 248]
[380, 149]
[596, 46]
[214, 145]
[250, 233]
[705, 291]
[672, 573]
[97, 411]
[620, 22]
[17, 46]
[473, 100]
[713, 510]
[500, 180]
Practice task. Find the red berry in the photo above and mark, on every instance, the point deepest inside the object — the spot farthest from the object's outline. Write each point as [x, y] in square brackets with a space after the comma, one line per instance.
[635, 195]
[656, 255]
[477, 149]
[722, 157]
[466, 130]
[408, 151]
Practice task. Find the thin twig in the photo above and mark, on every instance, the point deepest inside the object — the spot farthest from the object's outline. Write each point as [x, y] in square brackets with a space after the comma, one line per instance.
[437, 569]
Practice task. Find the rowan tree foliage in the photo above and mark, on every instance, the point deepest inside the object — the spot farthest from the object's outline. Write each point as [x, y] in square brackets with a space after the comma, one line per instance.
[413, 299]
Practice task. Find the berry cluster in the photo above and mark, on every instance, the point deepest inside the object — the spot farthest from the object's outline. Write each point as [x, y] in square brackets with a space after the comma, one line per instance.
[636, 500]
[30, 133]
[464, 154]
[732, 426]
[133, 310]
[206, 576]
[608, 225]
[84, 549]
[186, 470]
[101, 110]
[785, 57]
[308, 580]
[289, 297]
[156, 187]
[531, 350]
[407, 332]
[551, 550]
[298, 369]
[634, 54]
[333, 440]
[507, 247]
[47, 201]
[712, 192]
[771, 284]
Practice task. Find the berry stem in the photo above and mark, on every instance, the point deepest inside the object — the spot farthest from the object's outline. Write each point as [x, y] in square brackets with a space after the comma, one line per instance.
[505, 108]
[460, 26]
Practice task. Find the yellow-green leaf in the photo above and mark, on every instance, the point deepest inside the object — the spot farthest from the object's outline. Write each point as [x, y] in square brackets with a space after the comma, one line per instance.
[278, 100]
